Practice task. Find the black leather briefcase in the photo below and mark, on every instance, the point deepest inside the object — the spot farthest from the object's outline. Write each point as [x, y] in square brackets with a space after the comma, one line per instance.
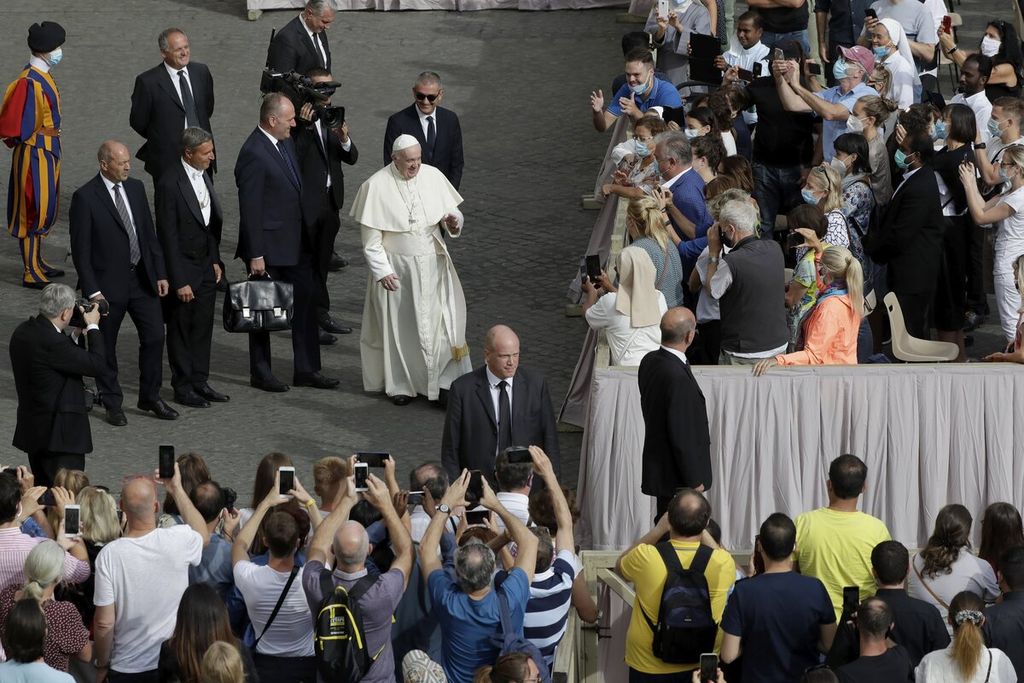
[259, 305]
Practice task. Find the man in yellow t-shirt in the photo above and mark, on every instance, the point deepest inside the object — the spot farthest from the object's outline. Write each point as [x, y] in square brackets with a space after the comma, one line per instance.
[684, 523]
[834, 543]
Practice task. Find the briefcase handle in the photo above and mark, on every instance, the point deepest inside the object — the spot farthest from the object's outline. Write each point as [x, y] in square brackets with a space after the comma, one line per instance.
[264, 276]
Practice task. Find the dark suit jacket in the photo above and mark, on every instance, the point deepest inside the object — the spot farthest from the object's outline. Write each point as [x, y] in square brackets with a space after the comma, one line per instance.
[48, 368]
[447, 156]
[470, 437]
[99, 243]
[269, 202]
[314, 163]
[190, 246]
[677, 444]
[292, 50]
[910, 235]
[158, 115]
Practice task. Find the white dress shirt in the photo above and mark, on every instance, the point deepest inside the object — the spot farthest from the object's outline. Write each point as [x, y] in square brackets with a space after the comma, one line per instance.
[493, 381]
[195, 176]
[177, 85]
[127, 205]
[667, 185]
[423, 121]
[316, 41]
[678, 354]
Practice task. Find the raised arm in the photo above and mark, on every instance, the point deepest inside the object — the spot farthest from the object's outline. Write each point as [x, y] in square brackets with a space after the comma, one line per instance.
[430, 561]
[186, 509]
[526, 542]
[401, 542]
[247, 534]
[323, 537]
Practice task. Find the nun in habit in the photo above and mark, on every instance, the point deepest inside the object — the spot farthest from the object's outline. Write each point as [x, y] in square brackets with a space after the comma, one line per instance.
[413, 339]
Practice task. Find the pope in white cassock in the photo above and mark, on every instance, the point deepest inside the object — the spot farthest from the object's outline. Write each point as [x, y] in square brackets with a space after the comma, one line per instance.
[413, 340]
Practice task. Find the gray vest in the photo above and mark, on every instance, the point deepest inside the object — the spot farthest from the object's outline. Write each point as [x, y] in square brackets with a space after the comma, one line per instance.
[754, 307]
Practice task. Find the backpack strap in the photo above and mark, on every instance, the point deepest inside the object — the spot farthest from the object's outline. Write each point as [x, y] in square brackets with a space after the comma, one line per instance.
[505, 615]
[360, 587]
[277, 607]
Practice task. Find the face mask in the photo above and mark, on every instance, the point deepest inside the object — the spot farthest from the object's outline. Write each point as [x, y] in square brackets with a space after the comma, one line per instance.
[838, 166]
[1003, 176]
[839, 69]
[691, 133]
[880, 52]
[639, 88]
[808, 196]
[940, 131]
[990, 46]
[53, 59]
[854, 125]
[901, 160]
[993, 128]
[642, 150]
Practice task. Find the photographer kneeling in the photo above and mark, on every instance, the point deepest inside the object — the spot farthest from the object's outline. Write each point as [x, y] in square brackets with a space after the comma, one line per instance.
[53, 422]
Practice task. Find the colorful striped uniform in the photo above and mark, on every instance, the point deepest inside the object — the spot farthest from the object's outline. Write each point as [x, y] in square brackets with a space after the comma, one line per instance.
[30, 125]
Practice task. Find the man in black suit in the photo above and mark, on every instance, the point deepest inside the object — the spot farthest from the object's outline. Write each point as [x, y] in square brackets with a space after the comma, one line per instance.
[677, 444]
[118, 257]
[270, 240]
[172, 96]
[497, 406]
[436, 128]
[53, 423]
[188, 223]
[302, 44]
[321, 152]
[910, 237]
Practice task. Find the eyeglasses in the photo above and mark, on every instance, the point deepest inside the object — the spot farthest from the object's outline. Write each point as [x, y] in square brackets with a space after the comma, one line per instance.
[424, 96]
[640, 139]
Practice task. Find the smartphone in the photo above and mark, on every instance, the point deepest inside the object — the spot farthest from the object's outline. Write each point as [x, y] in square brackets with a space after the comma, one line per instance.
[813, 68]
[663, 8]
[477, 516]
[947, 24]
[745, 75]
[72, 515]
[794, 240]
[518, 455]
[47, 499]
[708, 667]
[851, 599]
[362, 470]
[593, 267]
[373, 458]
[476, 486]
[758, 69]
[287, 480]
[777, 55]
[166, 462]
[870, 13]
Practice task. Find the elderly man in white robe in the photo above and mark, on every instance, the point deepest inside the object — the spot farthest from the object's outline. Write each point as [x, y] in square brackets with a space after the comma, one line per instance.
[413, 340]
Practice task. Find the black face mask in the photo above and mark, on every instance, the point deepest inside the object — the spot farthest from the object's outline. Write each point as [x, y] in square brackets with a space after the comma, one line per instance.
[726, 242]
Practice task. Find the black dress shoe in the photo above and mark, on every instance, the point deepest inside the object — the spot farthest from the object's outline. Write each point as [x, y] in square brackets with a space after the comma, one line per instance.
[116, 417]
[336, 263]
[34, 285]
[316, 380]
[210, 394]
[53, 272]
[190, 398]
[401, 400]
[329, 324]
[327, 339]
[159, 408]
[272, 385]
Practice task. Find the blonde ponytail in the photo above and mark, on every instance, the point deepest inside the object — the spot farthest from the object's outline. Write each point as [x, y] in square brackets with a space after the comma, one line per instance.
[842, 265]
[965, 611]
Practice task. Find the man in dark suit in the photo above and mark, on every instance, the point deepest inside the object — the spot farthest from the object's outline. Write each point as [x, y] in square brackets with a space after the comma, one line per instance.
[910, 237]
[436, 128]
[172, 96]
[677, 444]
[497, 406]
[270, 240]
[302, 44]
[118, 258]
[53, 423]
[188, 223]
[321, 152]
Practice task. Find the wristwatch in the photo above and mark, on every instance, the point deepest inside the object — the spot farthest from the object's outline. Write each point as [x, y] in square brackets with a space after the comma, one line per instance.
[713, 259]
[980, 145]
[444, 509]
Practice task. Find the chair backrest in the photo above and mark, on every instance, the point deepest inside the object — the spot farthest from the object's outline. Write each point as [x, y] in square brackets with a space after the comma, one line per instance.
[899, 328]
[870, 301]
[955, 19]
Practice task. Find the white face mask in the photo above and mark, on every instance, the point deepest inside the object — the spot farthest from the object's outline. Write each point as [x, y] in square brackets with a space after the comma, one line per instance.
[854, 125]
[990, 46]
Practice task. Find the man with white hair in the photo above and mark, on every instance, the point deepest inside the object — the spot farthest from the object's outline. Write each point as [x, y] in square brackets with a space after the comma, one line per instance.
[377, 595]
[414, 318]
[749, 284]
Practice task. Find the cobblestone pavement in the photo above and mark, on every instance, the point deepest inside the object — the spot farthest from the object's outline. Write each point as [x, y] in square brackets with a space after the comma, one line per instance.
[518, 80]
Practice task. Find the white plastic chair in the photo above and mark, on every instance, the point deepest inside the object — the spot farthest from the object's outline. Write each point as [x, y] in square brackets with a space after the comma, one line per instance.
[911, 349]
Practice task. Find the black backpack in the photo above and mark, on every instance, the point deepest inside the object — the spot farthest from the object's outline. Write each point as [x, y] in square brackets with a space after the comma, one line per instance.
[342, 655]
[685, 627]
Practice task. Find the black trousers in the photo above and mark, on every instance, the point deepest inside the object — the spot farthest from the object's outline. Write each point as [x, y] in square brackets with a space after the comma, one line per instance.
[305, 334]
[143, 305]
[324, 232]
[976, 299]
[916, 309]
[44, 465]
[190, 334]
[142, 677]
[285, 669]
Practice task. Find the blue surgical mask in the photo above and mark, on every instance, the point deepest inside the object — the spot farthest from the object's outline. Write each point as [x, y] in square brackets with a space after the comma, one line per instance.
[901, 160]
[691, 133]
[881, 52]
[839, 69]
[809, 197]
[639, 88]
[53, 59]
[993, 128]
[641, 148]
[941, 131]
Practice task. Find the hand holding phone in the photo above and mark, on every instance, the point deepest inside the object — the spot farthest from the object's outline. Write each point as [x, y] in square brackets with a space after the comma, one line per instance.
[708, 667]
[870, 14]
[72, 517]
[166, 457]
[593, 267]
[373, 458]
[361, 471]
[947, 24]
[477, 517]
[777, 55]
[286, 480]
[475, 491]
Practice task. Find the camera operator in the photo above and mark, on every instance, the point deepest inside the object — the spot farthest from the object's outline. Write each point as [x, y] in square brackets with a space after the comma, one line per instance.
[53, 425]
[322, 143]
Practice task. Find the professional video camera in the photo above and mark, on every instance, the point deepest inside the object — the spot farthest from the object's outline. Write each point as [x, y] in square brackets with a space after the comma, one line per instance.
[78, 319]
[302, 90]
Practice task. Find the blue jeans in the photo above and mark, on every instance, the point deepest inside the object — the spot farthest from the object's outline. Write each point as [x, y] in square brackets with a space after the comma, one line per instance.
[776, 190]
[769, 39]
[641, 677]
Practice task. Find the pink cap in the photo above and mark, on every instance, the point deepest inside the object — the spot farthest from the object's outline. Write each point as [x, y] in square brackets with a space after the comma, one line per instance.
[861, 55]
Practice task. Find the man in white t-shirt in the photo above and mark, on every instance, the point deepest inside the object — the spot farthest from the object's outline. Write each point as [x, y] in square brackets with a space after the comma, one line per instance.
[284, 650]
[140, 578]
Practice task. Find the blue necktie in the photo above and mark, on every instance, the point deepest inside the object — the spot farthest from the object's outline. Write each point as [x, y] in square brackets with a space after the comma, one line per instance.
[288, 161]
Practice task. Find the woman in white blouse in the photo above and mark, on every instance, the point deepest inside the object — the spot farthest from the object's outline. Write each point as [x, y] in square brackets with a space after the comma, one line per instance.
[630, 313]
[966, 660]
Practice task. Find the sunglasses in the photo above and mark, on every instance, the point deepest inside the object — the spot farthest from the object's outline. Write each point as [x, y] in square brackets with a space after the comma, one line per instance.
[425, 96]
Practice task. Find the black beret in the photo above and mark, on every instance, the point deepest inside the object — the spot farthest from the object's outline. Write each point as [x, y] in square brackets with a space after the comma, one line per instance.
[45, 37]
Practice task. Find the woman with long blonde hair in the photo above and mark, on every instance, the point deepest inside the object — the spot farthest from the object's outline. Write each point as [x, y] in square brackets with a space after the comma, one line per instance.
[648, 229]
[966, 660]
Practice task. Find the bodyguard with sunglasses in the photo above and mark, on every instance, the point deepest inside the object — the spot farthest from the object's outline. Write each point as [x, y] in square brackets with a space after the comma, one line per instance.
[437, 129]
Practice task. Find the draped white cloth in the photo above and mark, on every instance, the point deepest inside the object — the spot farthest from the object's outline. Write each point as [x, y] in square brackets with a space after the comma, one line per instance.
[930, 435]
[449, 5]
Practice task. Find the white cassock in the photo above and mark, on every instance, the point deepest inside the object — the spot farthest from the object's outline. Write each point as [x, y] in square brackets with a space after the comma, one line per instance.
[413, 340]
